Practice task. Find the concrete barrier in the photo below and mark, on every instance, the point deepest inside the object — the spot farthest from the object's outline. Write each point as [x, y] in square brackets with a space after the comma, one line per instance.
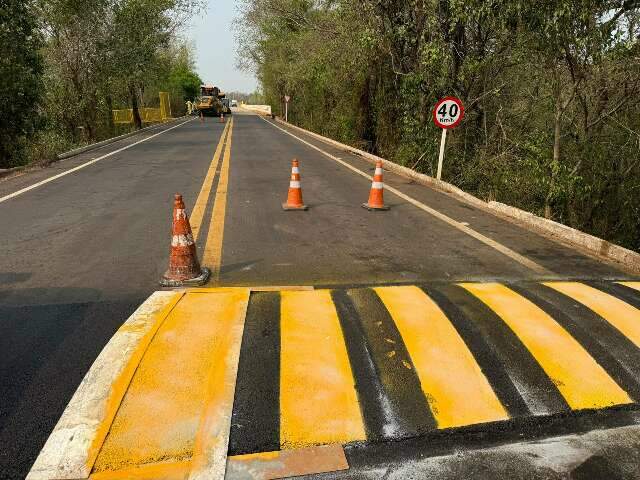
[263, 109]
[590, 244]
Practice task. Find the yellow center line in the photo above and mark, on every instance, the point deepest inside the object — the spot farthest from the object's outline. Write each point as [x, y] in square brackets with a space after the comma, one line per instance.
[203, 197]
[212, 256]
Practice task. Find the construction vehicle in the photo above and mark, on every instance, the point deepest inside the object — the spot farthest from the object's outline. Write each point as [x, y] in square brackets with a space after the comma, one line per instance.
[212, 101]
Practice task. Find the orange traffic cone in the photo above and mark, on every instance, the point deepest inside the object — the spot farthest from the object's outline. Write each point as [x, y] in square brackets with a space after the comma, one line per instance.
[376, 200]
[222, 118]
[201, 117]
[294, 198]
[184, 268]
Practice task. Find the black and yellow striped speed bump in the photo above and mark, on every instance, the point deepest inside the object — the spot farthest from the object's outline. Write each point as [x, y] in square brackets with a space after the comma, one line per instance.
[380, 363]
[201, 379]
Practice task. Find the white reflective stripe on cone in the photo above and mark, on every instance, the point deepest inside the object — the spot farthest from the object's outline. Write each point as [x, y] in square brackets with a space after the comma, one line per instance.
[295, 170]
[294, 184]
[378, 171]
[182, 240]
[377, 185]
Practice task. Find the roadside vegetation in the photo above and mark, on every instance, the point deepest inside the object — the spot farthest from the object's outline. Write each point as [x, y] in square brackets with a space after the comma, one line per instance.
[551, 90]
[66, 64]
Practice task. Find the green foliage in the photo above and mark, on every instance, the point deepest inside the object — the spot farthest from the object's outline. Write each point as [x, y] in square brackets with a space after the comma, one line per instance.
[551, 90]
[66, 64]
[109, 54]
[20, 80]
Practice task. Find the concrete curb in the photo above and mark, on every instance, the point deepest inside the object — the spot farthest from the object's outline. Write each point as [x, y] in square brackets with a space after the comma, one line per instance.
[5, 172]
[595, 246]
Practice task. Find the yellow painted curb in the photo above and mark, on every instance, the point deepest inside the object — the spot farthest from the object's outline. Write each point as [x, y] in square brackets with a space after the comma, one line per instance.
[73, 446]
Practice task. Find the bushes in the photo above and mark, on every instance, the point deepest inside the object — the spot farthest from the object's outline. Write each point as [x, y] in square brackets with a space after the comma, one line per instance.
[20, 80]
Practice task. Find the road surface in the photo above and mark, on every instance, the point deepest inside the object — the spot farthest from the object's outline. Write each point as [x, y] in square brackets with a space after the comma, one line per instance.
[86, 241]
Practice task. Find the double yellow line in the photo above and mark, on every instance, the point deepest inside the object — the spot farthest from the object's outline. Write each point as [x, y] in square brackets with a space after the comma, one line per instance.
[212, 256]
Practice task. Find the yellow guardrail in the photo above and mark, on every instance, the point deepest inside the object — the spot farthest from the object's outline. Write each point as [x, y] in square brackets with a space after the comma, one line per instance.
[165, 105]
[147, 115]
[123, 116]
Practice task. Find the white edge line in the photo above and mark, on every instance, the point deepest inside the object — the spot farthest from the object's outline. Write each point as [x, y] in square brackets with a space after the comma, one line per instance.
[68, 454]
[90, 162]
[441, 216]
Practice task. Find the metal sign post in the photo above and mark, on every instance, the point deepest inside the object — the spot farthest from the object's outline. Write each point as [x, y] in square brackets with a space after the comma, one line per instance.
[443, 139]
[286, 107]
[447, 114]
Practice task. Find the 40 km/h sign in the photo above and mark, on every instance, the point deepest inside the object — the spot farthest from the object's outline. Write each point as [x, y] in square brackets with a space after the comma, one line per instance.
[447, 114]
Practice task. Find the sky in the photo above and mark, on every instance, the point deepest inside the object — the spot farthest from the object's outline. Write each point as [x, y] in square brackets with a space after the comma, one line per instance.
[212, 35]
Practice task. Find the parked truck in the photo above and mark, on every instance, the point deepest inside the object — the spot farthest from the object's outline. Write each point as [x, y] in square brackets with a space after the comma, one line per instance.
[212, 101]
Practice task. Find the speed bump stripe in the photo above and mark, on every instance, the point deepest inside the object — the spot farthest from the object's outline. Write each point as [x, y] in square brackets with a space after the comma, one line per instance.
[256, 403]
[634, 285]
[621, 315]
[212, 439]
[391, 400]
[318, 401]
[580, 379]
[160, 415]
[153, 471]
[449, 375]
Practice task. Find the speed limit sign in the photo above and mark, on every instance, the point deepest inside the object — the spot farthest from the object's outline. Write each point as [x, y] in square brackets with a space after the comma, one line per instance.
[448, 112]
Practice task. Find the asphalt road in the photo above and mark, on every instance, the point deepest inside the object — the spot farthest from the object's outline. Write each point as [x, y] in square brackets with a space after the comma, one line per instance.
[80, 252]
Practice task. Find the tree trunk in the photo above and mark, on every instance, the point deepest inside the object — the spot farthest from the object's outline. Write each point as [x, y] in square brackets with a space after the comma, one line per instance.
[557, 131]
[137, 121]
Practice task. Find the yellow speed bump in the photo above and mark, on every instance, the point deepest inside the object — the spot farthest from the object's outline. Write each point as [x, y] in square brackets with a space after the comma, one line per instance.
[634, 285]
[449, 375]
[621, 315]
[158, 400]
[579, 378]
[318, 401]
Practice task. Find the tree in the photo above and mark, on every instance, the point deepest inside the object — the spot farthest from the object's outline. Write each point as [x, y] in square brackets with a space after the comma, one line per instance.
[20, 79]
[551, 92]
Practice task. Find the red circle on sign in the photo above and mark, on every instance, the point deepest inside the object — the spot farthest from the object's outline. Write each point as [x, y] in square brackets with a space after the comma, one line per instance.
[456, 121]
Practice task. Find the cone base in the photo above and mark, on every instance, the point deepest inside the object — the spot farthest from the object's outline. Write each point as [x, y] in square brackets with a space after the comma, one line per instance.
[370, 207]
[286, 206]
[190, 282]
